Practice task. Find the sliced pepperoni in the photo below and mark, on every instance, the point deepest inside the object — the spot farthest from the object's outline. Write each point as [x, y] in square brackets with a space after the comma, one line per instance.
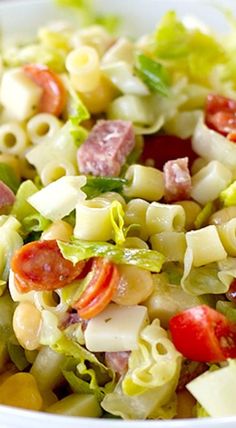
[220, 113]
[40, 265]
[106, 148]
[177, 180]
[7, 196]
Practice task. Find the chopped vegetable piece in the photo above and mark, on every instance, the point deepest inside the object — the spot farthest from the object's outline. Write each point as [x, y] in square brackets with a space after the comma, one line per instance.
[221, 113]
[203, 334]
[54, 95]
[153, 74]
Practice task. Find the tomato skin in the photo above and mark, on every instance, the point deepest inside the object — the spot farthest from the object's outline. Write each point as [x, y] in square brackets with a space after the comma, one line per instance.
[40, 265]
[162, 148]
[220, 114]
[54, 94]
[203, 334]
[100, 290]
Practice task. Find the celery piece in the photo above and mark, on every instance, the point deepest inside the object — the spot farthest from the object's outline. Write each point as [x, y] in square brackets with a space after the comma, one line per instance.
[77, 405]
[46, 369]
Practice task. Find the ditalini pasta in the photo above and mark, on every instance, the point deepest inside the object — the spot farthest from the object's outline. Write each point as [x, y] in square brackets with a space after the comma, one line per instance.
[118, 220]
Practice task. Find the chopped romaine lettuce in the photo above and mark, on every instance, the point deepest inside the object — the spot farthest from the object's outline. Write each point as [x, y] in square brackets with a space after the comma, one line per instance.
[153, 74]
[204, 215]
[8, 176]
[117, 220]
[97, 185]
[10, 241]
[228, 309]
[228, 196]
[81, 250]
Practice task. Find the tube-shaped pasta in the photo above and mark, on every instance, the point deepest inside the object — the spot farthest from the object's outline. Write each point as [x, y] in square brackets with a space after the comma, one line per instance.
[223, 216]
[98, 99]
[121, 75]
[110, 197]
[198, 164]
[55, 170]
[205, 245]
[227, 233]
[191, 209]
[60, 229]
[83, 67]
[144, 182]
[13, 138]
[93, 221]
[171, 244]
[50, 301]
[134, 242]
[94, 36]
[210, 181]
[164, 218]
[42, 126]
[136, 214]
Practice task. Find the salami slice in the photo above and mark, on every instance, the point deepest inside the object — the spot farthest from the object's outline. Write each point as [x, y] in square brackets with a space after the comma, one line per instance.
[117, 361]
[40, 265]
[177, 180]
[7, 196]
[105, 150]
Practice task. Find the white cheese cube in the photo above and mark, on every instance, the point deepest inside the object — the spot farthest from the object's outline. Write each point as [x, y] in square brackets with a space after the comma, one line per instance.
[19, 94]
[116, 329]
[59, 198]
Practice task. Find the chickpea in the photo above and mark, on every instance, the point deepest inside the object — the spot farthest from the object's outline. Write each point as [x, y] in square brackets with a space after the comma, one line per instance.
[26, 325]
[135, 285]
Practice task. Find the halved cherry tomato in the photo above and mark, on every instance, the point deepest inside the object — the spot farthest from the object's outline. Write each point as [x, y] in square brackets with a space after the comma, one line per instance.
[162, 148]
[203, 334]
[100, 290]
[54, 94]
[220, 114]
[40, 265]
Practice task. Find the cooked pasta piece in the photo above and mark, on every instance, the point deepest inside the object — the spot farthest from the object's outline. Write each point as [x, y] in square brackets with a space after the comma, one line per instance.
[223, 216]
[136, 214]
[135, 242]
[55, 170]
[95, 36]
[51, 301]
[164, 218]
[98, 99]
[83, 67]
[205, 245]
[227, 233]
[144, 182]
[60, 230]
[42, 127]
[191, 209]
[198, 164]
[13, 138]
[132, 107]
[110, 197]
[93, 220]
[171, 244]
[210, 181]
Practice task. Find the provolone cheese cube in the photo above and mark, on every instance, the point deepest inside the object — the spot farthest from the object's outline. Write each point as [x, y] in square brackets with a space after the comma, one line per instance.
[19, 94]
[59, 198]
[116, 329]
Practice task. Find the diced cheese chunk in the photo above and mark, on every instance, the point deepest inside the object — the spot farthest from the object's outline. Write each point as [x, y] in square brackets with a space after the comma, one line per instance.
[59, 198]
[19, 94]
[116, 329]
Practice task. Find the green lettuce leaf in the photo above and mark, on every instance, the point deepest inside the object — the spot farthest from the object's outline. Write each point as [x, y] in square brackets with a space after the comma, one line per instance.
[117, 220]
[147, 367]
[8, 176]
[188, 51]
[84, 372]
[81, 250]
[30, 219]
[228, 309]
[97, 185]
[153, 74]
[10, 241]
[228, 196]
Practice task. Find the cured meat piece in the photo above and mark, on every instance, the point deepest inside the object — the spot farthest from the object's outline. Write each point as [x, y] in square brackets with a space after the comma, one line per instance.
[189, 371]
[117, 361]
[7, 196]
[40, 265]
[177, 180]
[106, 148]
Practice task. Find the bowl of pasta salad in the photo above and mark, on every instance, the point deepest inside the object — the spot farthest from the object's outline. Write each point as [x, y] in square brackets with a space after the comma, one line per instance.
[117, 214]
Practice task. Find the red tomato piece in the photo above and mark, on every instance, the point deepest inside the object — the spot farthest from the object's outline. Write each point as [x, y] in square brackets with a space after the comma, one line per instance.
[100, 290]
[54, 94]
[203, 334]
[40, 265]
[220, 114]
[162, 148]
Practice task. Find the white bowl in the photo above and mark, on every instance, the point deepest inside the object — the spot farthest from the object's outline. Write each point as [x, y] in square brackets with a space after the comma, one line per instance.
[21, 18]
